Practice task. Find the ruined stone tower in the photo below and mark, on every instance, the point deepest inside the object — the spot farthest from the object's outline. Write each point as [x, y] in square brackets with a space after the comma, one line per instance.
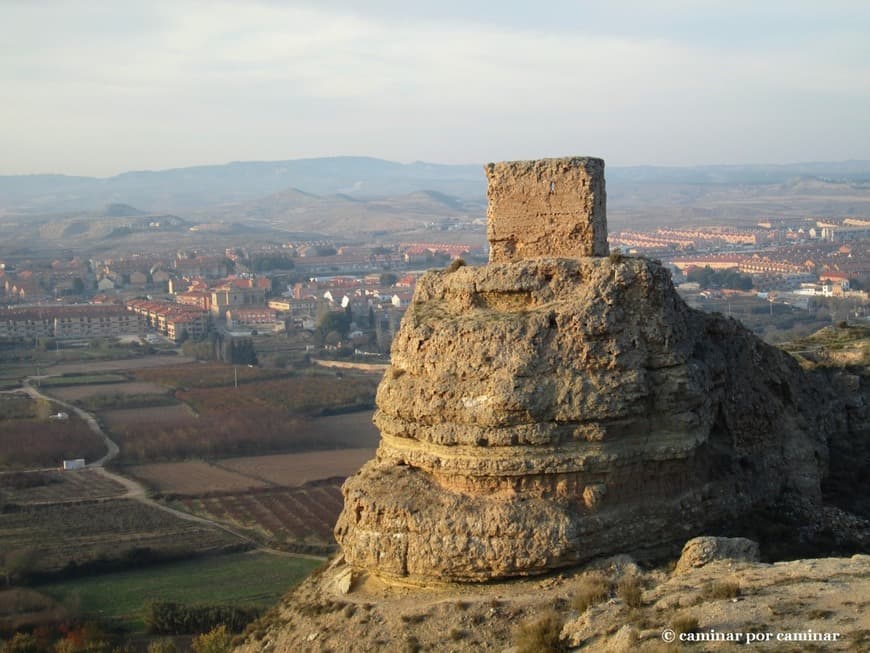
[558, 404]
[549, 207]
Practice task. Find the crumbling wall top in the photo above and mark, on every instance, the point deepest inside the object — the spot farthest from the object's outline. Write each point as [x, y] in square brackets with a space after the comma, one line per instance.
[546, 207]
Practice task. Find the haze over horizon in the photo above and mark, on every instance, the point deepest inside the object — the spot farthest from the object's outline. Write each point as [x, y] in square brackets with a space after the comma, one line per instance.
[99, 90]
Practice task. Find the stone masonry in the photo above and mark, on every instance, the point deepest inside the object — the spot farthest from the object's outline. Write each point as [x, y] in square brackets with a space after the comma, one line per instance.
[548, 207]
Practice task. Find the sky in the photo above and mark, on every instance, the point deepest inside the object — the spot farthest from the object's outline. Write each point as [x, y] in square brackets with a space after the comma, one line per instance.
[98, 87]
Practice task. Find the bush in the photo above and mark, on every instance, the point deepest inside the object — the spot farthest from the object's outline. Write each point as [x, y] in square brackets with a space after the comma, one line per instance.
[592, 589]
[630, 591]
[217, 640]
[162, 646]
[21, 643]
[456, 264]
[168, 618]
[685, 624]
[541, 635]
[721, 590]
[413, 618]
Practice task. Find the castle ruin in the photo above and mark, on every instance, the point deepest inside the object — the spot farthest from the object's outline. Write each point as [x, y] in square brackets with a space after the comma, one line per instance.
[548, 207]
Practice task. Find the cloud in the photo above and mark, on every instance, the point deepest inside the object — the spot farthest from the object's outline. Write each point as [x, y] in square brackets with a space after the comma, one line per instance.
[172, 83]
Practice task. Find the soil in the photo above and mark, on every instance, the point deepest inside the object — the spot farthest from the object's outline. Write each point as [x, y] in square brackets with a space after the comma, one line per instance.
[191, 477]
[299, 468]
[75, 392]
[159, 416]
[788, 600]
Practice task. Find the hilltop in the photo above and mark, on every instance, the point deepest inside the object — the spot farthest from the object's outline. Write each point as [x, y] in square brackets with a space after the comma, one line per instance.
[562, 413]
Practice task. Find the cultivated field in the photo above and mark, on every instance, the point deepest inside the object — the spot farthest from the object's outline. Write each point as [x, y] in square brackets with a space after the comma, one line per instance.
[29, 443]
[271, 411]
[207, 375]
[77, 392]
[174, 416]
[196, 477]
[312, 394]
[17, 405]
[145, 362]
[351, 430]
[295, 469]
[287, 500]
[30, 438]
[290, 518]
[60, 535]
[56, 486]
[11, 375]
[175, 433]
[192, 477]
[79, 379]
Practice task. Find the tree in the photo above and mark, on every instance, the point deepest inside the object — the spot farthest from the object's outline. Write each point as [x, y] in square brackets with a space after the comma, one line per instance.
[334, 321]
[203, 350]
[707, 277]
[388, 279]
[242, 352]
[266, 263]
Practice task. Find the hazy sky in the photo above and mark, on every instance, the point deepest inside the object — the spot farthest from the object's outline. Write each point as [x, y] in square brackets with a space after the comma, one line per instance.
[98, 87]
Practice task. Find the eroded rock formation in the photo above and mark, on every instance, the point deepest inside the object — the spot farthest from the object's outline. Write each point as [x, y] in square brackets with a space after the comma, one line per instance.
[550, 407]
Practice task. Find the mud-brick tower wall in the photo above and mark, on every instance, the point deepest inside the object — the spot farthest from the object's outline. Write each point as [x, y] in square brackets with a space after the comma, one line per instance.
[546, 207]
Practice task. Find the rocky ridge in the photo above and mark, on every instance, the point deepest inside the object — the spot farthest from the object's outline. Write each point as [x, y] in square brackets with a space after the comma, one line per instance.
[724, 596]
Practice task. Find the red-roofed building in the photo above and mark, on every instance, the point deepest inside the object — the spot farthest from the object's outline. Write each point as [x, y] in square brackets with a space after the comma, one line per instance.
[170, 319]
[78, 321]
[250, 317]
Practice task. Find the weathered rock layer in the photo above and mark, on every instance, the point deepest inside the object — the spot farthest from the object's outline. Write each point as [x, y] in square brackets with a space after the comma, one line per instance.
[548, 411]
[542, 411]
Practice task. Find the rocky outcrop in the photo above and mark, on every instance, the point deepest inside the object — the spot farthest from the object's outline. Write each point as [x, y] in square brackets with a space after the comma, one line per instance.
[544, 411]
[794, 601]
[548, 411]
[700, 551]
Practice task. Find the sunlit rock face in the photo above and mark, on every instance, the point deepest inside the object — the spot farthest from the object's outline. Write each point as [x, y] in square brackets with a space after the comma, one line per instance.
[554, 406]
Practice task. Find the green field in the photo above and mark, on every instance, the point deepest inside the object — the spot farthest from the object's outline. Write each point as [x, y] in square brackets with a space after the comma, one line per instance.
[258, 579]
[81, 379]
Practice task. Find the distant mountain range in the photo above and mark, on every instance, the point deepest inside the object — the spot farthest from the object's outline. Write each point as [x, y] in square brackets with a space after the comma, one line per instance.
[184, 190]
